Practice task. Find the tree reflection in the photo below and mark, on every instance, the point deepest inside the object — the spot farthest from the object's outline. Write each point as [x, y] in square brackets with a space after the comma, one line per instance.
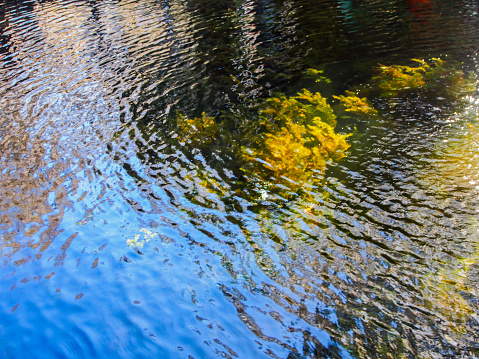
[53, 104]
[449, 288]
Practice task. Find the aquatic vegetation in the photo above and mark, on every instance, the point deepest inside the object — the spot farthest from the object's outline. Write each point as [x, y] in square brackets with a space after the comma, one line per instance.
[294, 137]
[304, 107]
[291, 138]
[353, 104]
[318, 75]
[298, 140]
[197, 132]
[437, 75]
[394, 78]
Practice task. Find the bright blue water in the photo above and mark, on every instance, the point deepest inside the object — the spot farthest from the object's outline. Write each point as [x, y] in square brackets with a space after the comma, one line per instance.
[88, 165]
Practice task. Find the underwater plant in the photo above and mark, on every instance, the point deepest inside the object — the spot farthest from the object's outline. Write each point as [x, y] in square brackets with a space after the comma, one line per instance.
[450, 288]
[292, 138]
[197, 132]
[298, 138]
[353, 104]
[434, 76]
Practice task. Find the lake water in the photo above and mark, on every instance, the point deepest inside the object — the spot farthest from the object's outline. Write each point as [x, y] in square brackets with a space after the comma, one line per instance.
[117, 240]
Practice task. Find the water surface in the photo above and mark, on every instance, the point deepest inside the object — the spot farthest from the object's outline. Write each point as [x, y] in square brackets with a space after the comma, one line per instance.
[119, 241]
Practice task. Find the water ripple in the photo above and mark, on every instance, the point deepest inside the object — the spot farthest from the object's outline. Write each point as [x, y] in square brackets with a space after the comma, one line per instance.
[120, 240]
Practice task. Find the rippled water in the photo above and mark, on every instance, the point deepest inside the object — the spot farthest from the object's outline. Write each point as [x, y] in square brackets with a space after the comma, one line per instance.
[381, 262]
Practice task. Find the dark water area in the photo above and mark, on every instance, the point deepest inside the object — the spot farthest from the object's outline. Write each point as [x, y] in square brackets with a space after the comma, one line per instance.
[118, 240]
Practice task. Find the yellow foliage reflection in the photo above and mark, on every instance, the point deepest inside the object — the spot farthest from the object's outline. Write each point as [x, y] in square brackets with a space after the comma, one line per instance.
[356, 105]
[197, 132]
[447, 289]
[436, 74]
[299, 139]
[295, 137]
[445, 294]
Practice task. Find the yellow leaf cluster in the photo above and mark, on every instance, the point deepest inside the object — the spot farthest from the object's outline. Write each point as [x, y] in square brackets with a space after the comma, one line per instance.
[356, 105]
[299, 140]
[197, 132]
[303, 107]
[395, 78]
[435, 74]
